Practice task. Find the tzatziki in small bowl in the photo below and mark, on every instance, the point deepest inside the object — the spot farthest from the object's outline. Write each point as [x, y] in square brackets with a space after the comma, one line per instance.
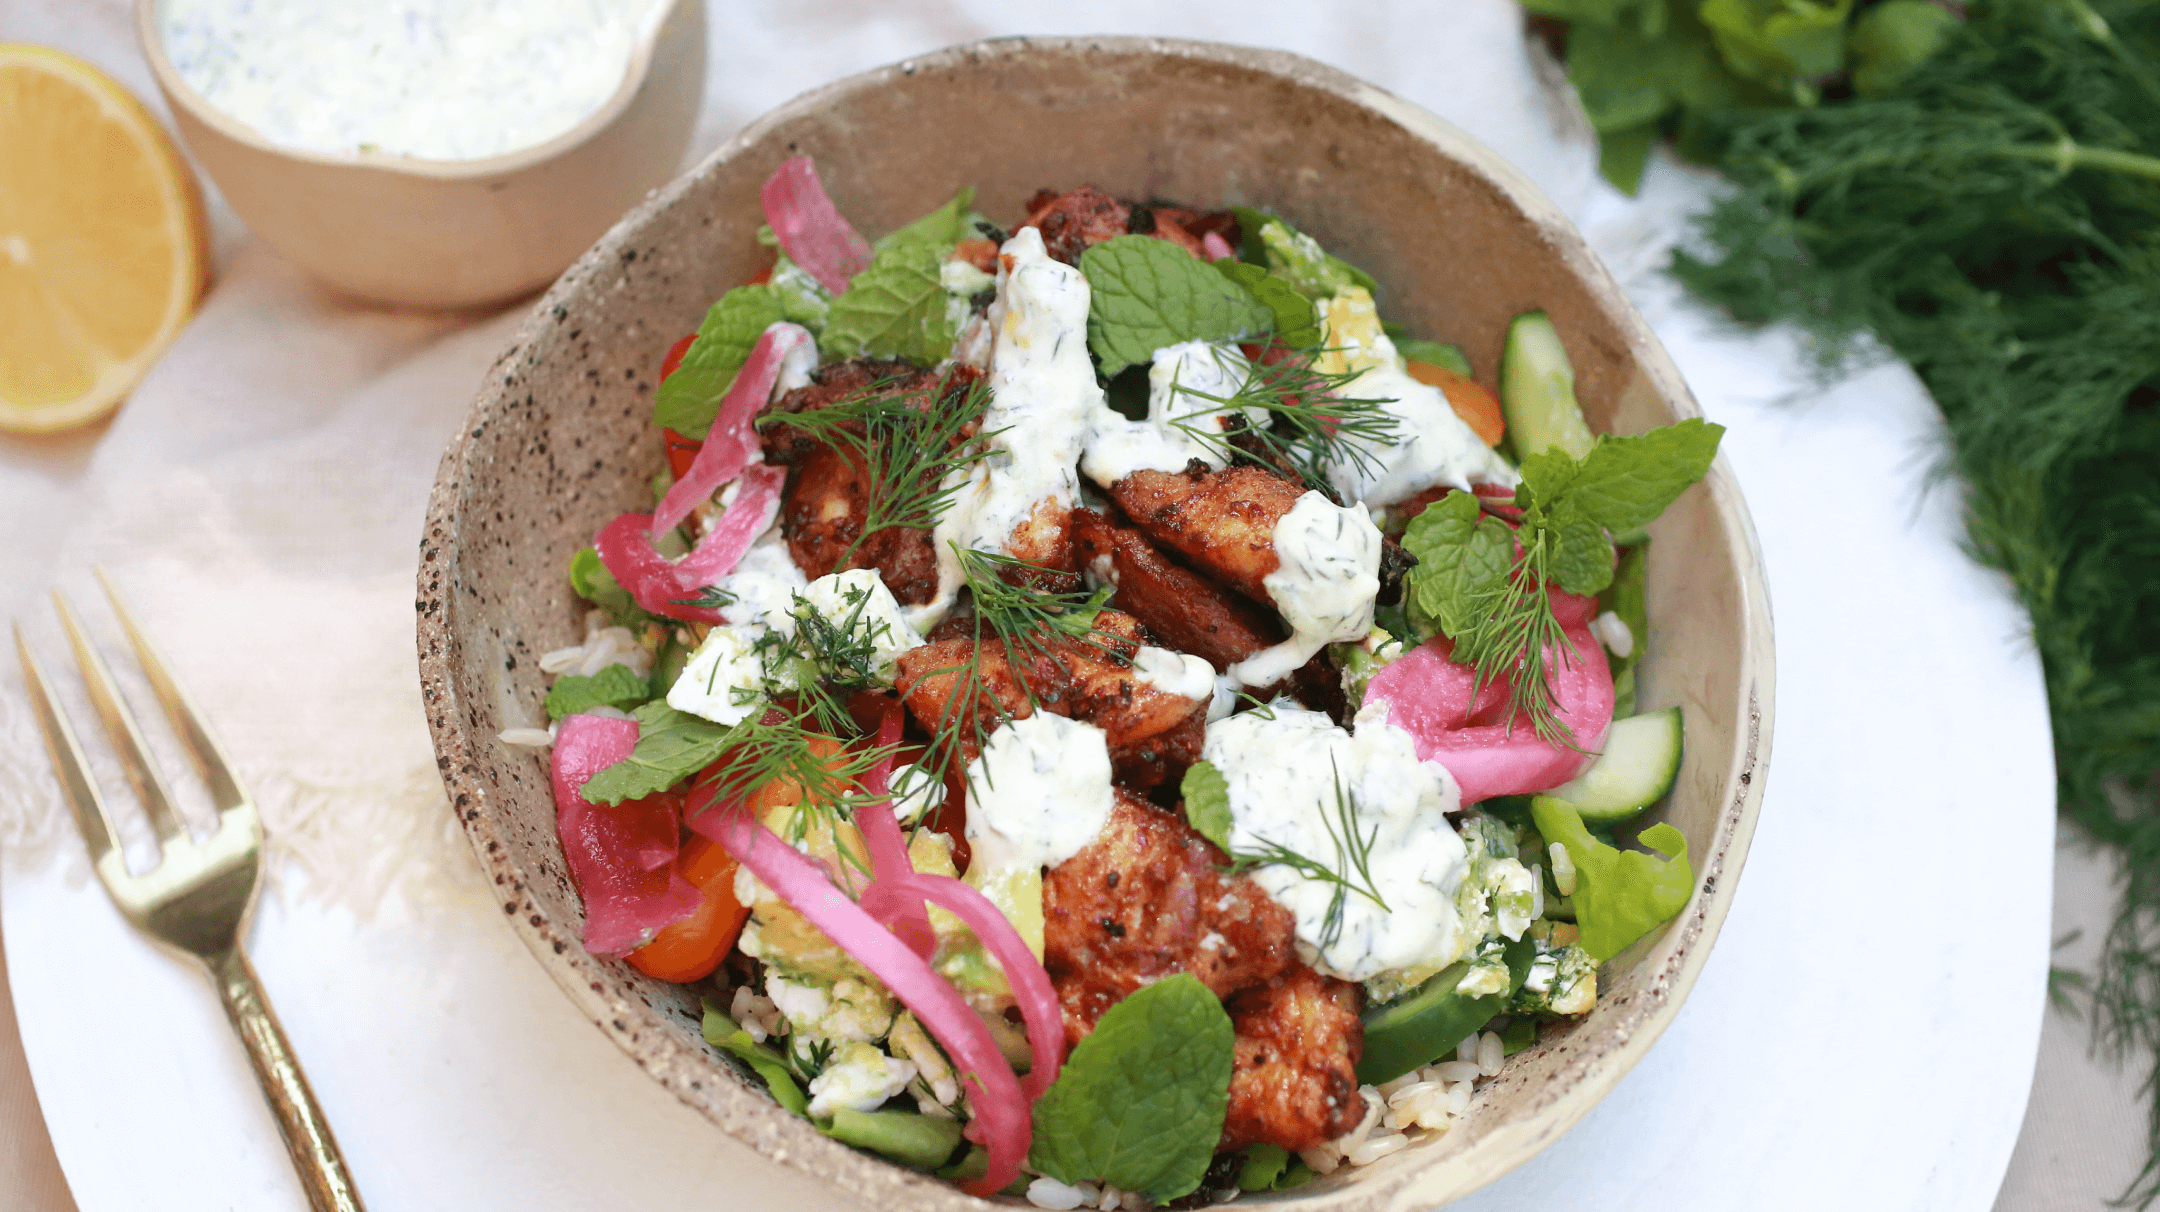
[441, 155]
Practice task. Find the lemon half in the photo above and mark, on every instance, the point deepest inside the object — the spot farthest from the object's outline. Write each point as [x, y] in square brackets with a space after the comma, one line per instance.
[103, 248]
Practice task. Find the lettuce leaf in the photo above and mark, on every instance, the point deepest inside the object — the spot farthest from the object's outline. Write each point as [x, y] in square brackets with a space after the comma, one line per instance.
[1436, 353]
[690, 399]
[591, 580]
[1140, 1102]
[1296, 325]
[1627, 597]
[945, 226]
[1620, 895]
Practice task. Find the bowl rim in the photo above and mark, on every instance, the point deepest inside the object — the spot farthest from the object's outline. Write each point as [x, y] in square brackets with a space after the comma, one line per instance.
[786, 1139]
[183, 96]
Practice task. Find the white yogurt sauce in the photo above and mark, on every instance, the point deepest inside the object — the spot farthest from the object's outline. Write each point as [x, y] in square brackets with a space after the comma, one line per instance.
[1172, 672]
[1324, 588]
[1039, 793]
[1192, 377]
[430, 79]
[726, 677]
[1434, 446]
[1043, 395]
[1283, 767]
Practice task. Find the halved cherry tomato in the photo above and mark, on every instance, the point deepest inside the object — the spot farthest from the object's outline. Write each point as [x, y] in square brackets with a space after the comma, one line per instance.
[681, 452]
[1478, 408]
[762, 277]
[691, 948]
[675, 356]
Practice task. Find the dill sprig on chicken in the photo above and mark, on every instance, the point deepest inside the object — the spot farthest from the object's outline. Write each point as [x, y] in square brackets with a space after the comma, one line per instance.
[1310, 430]
[1350, 872]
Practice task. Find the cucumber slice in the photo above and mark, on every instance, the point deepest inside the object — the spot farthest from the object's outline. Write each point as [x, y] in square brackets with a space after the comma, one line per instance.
[1640, 762]
[1537, 390]
[1432, 1019]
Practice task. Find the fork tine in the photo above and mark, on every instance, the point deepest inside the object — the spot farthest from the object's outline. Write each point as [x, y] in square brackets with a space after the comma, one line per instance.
[67, 755]
[187, 718]
[127, 739]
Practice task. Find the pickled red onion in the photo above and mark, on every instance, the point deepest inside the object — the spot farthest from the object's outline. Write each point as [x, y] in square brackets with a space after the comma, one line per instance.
[621, 856]
[809, 226]
[904, 915]
[660, 585]
[1216, 247]
[732, 443]
[1001, 1109]
[1031, 987]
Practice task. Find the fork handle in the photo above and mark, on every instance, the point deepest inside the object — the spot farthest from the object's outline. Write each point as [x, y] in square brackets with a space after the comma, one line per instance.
[308, 1139]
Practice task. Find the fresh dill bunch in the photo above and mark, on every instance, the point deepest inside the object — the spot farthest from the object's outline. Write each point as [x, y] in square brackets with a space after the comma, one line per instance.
[1996, 224]
[1514, 635]
[1350, 872]
[910, 452]
[1310, 431]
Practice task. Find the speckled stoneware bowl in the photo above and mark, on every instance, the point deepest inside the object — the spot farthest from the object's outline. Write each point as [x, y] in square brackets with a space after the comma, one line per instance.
[559, 443]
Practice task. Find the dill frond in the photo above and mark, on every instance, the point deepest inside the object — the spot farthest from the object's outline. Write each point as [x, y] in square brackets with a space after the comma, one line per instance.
[1310, 430]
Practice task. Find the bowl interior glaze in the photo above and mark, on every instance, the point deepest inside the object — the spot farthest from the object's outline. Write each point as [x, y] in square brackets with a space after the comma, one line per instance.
[559, 442]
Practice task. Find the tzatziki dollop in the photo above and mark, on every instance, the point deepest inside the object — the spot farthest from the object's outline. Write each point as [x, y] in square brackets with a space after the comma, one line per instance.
[1039, 793]
[1324, 587]
[1299, 782]
[429, 79]
[1186, 383]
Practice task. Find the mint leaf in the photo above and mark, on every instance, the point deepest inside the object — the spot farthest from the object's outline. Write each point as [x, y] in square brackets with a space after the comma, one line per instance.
[1625, 483]
[591, 580]
[1893, 38]
[893, 309]
[725, 1034]
[617, 686]
[1207, 803]
[1620, 895]
[1463, 558]
[945, 226]
[1149, 293]
[1140, 1102]
[671, 746]
[1435, 353]
[1774, 44]
[1584, 561]
[690, 399]
[1547, 474]
[1295, 323]
[803, 299]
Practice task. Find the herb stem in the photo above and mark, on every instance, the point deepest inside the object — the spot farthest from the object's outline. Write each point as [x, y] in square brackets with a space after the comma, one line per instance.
[2068, 154]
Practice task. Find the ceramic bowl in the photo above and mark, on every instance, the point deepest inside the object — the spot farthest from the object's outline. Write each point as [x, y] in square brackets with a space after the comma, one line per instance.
[453, 233]
[559, 443]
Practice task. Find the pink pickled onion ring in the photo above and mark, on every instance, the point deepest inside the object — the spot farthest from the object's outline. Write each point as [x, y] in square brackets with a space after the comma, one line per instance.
[1001, 1110]
[1216, 247]
[905, 916]
[732, 443]
[663, 586]
[809, 226]
[622, 856]
[731, 536]
[1037, 998]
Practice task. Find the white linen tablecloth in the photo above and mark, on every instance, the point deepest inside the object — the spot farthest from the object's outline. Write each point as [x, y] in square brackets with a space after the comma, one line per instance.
[260, 499]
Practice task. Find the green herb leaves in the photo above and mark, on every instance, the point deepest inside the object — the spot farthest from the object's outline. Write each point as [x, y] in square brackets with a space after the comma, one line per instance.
[690, 398]
[1140, 1102]
[1471, 583]
[1207, 803]
[617, 686]
[1149, 293]
[894, 309]
[1620, 895]
[671, 746]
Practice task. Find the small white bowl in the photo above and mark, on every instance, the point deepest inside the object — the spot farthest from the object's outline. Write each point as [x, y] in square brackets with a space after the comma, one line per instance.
[453, 233]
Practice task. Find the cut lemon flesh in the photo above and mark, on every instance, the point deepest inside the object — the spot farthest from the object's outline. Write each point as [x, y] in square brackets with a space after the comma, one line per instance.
[103, 249]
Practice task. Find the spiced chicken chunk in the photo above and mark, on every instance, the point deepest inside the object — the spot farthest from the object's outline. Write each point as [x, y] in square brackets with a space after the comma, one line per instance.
[1294, 1082]
[1222, 522]
[1186, 610]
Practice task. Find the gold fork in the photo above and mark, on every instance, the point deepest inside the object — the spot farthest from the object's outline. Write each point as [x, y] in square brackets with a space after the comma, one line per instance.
[197, 898]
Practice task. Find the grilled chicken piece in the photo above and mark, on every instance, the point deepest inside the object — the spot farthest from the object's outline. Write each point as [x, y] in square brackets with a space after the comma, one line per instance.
[1044, 540]
[1072, 221]
[1167, 223]
[826, 506]
[930, 681]
[1147, 899]
[837, 383]
[1294, 1082]
[1222, 522]
[1189, 612]
[1103, 689]
[1160, 760]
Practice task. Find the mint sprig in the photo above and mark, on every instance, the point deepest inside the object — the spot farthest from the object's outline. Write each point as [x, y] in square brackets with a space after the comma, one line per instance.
[1207, 803]
[671, 746]
[617, 686]
[1140, 1102]
[690, 398]
[895, 308]
[1149, 293]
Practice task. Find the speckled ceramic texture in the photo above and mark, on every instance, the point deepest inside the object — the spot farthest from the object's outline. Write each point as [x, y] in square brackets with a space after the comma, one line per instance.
[559, 443]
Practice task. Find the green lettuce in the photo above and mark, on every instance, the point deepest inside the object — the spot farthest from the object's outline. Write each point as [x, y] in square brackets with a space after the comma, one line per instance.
[1620, 895]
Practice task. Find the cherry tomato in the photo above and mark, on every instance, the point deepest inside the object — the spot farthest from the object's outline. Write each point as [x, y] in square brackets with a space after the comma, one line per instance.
[691, 948]
[681, 452]
[675, 356]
